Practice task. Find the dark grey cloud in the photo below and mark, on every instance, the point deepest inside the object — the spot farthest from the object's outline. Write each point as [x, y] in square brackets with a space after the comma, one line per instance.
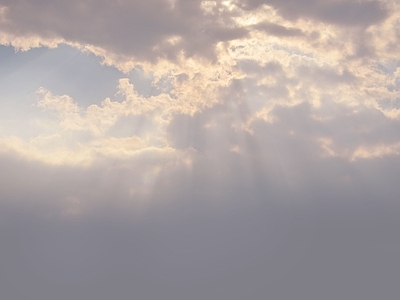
[148, 31]
[345, 13]
[132, 28]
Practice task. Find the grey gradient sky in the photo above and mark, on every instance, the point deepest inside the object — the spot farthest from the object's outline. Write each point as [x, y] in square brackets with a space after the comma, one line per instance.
[190, 150]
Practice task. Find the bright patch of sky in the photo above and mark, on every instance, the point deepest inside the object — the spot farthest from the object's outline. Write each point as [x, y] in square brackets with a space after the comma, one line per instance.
[64, 71]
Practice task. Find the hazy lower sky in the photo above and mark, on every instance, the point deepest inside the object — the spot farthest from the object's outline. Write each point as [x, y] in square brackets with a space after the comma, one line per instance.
[192, 150]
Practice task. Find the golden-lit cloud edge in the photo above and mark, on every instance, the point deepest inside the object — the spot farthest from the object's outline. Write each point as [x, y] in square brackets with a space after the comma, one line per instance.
[280, 63]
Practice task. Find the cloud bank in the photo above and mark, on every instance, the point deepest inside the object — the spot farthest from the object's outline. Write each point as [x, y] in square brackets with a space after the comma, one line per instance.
[250, 149]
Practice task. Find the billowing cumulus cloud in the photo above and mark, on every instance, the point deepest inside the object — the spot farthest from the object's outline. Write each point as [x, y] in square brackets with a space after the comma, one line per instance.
[199, 149]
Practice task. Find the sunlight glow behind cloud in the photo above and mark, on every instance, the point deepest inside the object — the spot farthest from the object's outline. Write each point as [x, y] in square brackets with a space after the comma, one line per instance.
[199, 149]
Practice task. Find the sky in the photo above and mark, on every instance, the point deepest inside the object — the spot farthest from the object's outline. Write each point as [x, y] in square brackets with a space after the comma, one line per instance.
[222, 150]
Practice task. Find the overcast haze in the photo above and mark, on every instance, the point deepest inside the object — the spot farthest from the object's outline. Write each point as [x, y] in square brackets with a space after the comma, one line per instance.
[191, 150]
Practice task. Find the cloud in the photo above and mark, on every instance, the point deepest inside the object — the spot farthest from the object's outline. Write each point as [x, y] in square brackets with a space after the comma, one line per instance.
[345, 13]
[249, 150]
[125, 28]
[218, 222]
[278, 30]
[127, 33]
